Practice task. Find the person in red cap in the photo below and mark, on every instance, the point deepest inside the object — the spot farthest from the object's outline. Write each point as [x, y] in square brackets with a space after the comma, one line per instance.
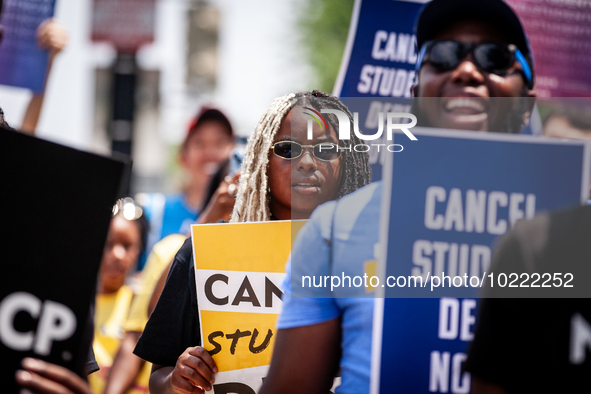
[209, 142]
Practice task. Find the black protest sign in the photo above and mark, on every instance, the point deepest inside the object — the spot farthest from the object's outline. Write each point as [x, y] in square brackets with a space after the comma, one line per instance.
[56, 208]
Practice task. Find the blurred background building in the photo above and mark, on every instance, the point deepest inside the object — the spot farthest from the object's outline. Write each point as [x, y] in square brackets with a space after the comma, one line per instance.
[237, 55]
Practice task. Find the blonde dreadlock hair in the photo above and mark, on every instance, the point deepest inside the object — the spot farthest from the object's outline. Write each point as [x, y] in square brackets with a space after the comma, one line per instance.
[252, 199]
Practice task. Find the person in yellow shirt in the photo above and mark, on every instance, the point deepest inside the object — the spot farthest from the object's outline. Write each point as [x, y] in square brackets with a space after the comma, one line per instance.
[122, 249]
[130, 372]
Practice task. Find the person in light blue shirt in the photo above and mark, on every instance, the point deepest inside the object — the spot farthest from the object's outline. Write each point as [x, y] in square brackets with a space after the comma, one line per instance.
[466, 59]
[338, 241]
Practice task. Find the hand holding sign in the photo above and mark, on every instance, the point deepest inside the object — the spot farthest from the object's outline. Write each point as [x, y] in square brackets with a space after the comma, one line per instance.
[194, 367]
[52, 36]
[40, 377]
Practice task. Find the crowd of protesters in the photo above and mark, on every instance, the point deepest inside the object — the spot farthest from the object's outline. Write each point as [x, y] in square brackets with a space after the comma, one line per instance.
[148, 339]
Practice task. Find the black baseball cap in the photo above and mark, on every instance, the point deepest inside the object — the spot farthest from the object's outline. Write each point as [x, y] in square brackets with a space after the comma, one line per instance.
[439, 14]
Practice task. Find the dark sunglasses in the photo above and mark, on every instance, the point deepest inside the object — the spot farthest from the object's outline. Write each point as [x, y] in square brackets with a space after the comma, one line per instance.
[325, 151]
[492, 57]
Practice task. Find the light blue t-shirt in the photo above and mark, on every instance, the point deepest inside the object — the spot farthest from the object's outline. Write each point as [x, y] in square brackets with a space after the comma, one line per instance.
[354, 235]
[167, 214]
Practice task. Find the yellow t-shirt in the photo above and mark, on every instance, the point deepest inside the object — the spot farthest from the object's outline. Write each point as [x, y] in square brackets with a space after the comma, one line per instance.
[110, 314]
[162, 253]
[116, 314]
[112, 319]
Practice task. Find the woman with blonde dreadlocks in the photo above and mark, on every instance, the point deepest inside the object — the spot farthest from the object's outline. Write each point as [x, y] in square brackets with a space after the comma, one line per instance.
[284, 176]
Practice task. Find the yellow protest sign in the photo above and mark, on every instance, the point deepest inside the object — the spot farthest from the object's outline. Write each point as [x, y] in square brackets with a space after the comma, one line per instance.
[238, 342]
[239, 269]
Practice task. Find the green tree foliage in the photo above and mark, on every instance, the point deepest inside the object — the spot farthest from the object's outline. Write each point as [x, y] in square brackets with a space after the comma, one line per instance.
[325, 25]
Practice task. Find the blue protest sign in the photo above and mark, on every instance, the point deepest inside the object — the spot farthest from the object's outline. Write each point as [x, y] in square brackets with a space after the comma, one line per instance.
[449, 196]
[22, 62]
[379, 59]
[381, 53]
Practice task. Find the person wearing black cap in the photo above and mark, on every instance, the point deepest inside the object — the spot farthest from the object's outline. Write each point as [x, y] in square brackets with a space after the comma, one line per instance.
[465, 60]
[472, 52]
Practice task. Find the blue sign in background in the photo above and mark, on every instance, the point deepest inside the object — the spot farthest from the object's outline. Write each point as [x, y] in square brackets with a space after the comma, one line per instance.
[397, 19]
[512, 164]
[382, 78]
[22, 62]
